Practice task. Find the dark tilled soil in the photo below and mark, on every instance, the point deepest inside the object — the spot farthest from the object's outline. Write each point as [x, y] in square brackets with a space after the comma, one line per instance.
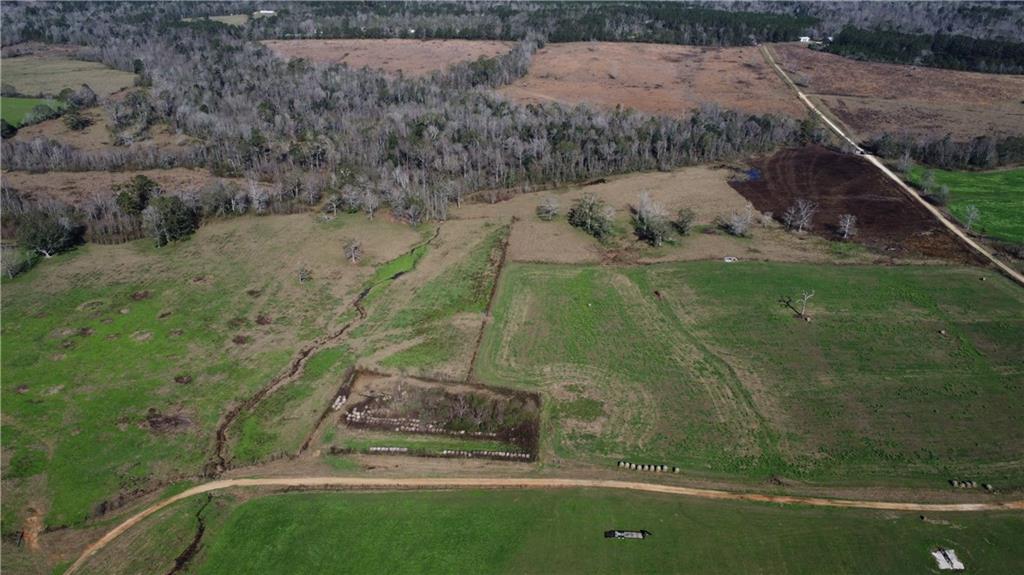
[887, 220]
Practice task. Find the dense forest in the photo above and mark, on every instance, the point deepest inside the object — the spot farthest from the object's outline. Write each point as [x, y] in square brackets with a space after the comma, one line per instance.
[939, 50]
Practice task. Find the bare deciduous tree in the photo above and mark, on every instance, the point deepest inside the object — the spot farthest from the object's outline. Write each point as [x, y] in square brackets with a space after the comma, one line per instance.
[650, 220]
[738, 223]
[798, 217]
[848, 226]
[971, 215]
[354, 251]
[547, 210]
[801, 301]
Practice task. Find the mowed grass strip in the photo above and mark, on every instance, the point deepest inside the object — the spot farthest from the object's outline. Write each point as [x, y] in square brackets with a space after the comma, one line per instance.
[562, 532]
[902, 373]
[998, 195]
[49, 75]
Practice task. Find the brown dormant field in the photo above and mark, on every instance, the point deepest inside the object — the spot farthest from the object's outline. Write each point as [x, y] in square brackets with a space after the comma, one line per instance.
[411, 57]
[872, 98]
[654, 78]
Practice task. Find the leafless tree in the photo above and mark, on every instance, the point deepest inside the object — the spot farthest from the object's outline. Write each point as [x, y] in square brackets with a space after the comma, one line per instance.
[354, 251]
[848, 225]
[798, 217]
[971, 215]
[547, 210]
[738, 223]
[904, 164]
[799, 304]
[650, 220]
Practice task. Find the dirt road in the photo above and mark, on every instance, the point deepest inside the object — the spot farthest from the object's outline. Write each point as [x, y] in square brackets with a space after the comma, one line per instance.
[527, 483]
[1012, 273]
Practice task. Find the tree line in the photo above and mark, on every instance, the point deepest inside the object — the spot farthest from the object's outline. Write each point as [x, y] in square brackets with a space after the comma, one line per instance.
[944, 152]
[939, 50]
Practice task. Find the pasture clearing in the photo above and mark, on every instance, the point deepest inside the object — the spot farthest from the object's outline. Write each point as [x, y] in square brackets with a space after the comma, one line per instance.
[76, 187]
[887, 219]
[410, 57]
[119, 360]
[871, 98]
[654, 78]
[998, 195]
[239, 20]
[47, 75]
[14, 109]
[562, 532]
[904, 374]
[98, 136]
[705, 190]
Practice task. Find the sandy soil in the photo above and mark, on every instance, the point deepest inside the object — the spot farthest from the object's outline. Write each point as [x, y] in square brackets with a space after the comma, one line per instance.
[411, 57]
[871, 98]
[654, 78]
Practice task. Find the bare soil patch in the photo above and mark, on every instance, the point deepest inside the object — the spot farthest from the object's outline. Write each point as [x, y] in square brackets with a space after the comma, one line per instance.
[887, 219]
[654, 78]
[871, 98]
[410, 57]
[163, 423]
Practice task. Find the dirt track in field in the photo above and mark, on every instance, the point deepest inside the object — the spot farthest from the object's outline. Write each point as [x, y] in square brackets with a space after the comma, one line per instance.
[411, 57]
[655, 78]
[435, 483]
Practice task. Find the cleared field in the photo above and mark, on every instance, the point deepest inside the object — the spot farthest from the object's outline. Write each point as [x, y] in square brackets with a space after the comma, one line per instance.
[74, 187]
[411, 57]
[998, 195]
[704, 190]
[229, 19]
[654, 78]
[98, 136]
[562, 532]
[50, 74]
[120, 360]
[887, 219]
[904, 374]
[872, 98]
[14, 109]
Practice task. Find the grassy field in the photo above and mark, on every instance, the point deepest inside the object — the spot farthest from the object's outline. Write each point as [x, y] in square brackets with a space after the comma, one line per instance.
[998, 195]
[14, 109]
[96, 339]
[230, 19]
[49, 75]
[715, 376]
[562, 532]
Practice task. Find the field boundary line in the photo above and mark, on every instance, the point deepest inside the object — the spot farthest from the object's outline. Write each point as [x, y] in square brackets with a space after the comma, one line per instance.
[435, 483]
[1007, 270]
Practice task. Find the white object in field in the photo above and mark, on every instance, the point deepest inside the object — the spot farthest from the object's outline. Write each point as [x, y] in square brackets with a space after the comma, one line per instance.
[266, 12]
[729, 259]
[805, 39]
[947, 560]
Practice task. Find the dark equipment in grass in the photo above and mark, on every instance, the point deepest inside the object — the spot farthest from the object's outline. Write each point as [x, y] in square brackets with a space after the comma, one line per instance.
[619, 534]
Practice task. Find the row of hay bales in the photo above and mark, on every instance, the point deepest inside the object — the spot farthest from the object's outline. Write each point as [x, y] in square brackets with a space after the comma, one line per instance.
[647, 467]
[970, 484]
[516, 455]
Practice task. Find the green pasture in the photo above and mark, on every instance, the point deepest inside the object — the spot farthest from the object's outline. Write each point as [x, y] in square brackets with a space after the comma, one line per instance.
[998, 195]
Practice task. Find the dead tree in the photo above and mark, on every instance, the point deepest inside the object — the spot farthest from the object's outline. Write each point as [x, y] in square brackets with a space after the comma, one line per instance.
[848, 225]
[354, 251]
[799, 304]
[798, 216]
[971, 215]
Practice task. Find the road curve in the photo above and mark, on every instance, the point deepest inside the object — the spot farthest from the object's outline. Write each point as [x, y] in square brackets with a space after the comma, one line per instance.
[526, 483]
[1009, 271]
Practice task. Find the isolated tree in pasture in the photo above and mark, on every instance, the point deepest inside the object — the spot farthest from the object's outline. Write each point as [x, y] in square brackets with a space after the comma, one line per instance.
[84, 97]
[47, 233]
[799, 216]
[928, 180]
[547, 209]
[684, 221]
[591, 215]
[738, 223]
[76, 121]
[798, 304]
[971, 215]
[847, 226]
[650, 220]
[904, 164]
[354, 251]
[168, 219]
